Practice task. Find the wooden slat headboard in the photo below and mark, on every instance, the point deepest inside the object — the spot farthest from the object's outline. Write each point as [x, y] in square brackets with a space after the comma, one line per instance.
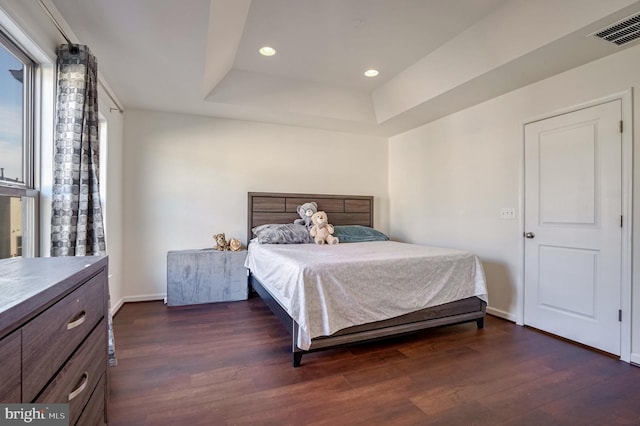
[272, 207]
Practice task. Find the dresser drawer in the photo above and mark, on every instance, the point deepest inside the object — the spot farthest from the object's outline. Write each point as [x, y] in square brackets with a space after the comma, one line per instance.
[10, 371]
[94, 412]
[50, 338]
[78, 378]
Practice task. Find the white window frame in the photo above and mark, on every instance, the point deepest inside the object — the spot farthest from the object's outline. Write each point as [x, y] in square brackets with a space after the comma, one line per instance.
[27, 189]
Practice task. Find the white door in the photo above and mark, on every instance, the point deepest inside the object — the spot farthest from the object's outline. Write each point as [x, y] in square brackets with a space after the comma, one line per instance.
[573, 234]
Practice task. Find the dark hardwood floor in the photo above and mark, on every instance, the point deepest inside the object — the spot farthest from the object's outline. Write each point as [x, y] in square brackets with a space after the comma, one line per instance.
[229, 363]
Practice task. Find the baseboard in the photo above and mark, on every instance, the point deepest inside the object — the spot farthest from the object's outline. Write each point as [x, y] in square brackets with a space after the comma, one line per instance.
[116, 307]
[141, 298]
[501, 314]
[635, 359]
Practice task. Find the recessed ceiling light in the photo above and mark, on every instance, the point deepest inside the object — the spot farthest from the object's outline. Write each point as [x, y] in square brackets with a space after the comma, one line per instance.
[267, 51]
[371, 73]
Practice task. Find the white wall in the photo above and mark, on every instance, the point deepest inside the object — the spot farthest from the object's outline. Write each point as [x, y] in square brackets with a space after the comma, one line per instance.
[187, 177]
[449, 179]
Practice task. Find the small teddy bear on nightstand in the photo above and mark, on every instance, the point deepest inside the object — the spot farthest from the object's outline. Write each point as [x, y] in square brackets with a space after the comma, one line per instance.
[221, 242]
[223, 245]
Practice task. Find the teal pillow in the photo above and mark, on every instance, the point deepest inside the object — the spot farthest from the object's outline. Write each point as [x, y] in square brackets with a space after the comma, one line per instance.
[357, 234]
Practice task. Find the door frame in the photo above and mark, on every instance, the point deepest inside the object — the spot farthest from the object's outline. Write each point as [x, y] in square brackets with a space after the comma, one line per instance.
[626, 98]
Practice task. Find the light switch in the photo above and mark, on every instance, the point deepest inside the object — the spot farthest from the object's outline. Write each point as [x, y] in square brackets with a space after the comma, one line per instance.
[508, 213]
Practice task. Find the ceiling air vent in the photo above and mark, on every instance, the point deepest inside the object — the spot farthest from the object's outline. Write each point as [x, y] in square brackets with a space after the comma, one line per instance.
[621, 32]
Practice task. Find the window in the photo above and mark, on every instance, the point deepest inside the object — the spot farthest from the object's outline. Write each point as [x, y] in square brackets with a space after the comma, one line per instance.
[18, 196]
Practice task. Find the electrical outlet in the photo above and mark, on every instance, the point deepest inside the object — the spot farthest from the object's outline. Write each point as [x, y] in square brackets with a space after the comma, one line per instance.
[508, 213]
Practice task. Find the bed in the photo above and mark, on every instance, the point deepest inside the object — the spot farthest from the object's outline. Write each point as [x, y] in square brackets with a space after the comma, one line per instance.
[330, 296]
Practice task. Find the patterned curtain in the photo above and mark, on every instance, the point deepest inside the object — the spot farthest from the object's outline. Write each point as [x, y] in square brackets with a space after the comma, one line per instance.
[77, 228]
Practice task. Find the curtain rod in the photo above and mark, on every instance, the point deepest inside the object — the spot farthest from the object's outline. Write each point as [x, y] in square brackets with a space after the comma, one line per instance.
[55, 22]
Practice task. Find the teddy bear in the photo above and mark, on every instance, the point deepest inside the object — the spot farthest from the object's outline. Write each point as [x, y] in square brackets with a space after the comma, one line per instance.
[221, 242]
[234, 244]
[321, 229]
[305, 211]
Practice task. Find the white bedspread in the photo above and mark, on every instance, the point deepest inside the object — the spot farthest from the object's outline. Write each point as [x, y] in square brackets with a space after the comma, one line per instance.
[328, 288]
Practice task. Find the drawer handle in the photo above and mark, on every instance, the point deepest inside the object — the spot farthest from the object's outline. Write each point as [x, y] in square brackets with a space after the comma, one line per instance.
[79, 319]
[83, 384]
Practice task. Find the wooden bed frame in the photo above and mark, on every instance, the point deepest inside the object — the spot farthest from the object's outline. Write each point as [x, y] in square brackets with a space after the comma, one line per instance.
[267, 207]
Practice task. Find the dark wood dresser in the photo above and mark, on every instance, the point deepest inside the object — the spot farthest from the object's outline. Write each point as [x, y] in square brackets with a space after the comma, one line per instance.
[53, 334]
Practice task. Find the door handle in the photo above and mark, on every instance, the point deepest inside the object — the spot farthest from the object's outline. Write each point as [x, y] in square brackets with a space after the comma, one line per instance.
[529, 235]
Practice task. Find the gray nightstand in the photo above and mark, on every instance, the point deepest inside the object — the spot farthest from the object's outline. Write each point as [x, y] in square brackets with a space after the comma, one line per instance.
[205, 276]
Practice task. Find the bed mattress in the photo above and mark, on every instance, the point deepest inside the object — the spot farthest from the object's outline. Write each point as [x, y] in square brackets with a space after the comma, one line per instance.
[327, 288]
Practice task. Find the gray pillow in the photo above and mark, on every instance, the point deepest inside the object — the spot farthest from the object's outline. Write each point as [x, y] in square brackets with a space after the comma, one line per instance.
[357, 233]
[282, 233]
